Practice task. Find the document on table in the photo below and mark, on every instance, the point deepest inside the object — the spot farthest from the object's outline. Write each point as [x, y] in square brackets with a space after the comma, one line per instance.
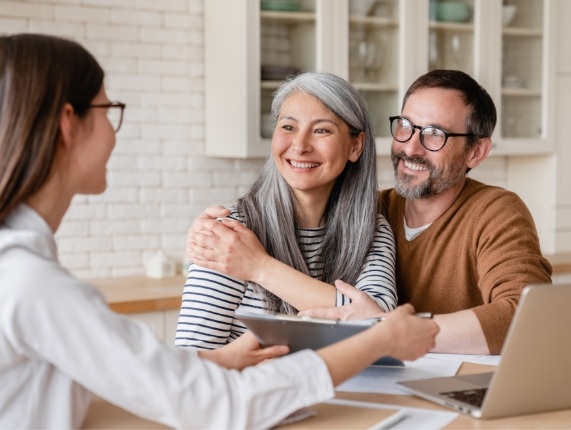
[335, 414]
[383, 379]
[406, 418]
[471, 358]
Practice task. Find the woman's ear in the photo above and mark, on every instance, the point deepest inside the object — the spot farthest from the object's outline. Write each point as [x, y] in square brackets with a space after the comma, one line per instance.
[67, 124]
[358, 145]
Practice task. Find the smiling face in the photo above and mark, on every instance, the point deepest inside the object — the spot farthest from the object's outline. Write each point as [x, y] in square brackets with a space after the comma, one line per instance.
[311, 146]
[420, 173]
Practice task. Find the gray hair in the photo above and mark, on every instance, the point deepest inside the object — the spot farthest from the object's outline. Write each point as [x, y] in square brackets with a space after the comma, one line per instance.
[269, 208]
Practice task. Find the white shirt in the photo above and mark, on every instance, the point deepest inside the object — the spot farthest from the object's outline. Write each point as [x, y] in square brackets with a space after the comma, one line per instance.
[59, 341]
[411, 232]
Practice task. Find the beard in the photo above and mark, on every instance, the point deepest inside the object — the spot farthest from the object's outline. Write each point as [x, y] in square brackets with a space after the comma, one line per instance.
[439, 178]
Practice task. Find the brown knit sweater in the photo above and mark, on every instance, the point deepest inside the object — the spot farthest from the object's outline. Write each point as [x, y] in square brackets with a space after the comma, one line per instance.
[479, 254]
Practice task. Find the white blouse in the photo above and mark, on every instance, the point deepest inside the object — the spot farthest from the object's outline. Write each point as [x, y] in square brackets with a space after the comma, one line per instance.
[60, 342]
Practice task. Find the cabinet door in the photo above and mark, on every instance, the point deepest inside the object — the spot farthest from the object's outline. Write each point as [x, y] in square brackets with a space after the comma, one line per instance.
[232, 78]
[523, 72]
[524, 75]
[288, 36]
[250, 46]
[373, 60]
[451, 35]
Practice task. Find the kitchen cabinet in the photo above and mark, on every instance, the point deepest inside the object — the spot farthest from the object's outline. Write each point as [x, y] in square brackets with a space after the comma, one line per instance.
[381, 47]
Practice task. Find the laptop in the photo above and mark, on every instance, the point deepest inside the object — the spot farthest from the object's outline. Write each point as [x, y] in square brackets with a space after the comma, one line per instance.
[534, 374]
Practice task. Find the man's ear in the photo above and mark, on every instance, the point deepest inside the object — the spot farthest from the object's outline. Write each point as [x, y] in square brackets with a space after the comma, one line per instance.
[479, 152]
[358, 146]
[67, 124]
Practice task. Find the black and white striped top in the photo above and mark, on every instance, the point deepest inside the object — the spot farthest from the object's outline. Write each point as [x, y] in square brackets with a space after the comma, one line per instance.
[210, 298]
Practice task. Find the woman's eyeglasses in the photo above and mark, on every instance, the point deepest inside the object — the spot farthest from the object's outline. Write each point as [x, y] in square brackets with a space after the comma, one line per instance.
[114, 113]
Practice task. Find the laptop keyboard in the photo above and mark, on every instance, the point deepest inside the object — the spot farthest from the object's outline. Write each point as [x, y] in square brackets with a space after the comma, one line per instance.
[472, 397]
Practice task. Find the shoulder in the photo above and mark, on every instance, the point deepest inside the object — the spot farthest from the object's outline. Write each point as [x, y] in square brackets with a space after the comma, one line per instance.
[382, 223]
[31, 285]
[387, 198]
[391, 205]
[480, 196]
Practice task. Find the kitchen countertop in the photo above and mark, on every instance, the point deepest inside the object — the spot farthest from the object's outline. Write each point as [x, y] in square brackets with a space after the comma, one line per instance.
[141, 294]
[561, 263]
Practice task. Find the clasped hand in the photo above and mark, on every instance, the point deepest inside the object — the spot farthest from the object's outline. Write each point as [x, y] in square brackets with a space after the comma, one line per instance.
[225, 245]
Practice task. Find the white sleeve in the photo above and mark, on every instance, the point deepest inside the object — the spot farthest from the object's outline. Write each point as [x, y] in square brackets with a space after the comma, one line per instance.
[57, 319]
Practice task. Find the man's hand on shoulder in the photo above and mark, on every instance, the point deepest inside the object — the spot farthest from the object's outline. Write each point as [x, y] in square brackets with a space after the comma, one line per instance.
[203, 224]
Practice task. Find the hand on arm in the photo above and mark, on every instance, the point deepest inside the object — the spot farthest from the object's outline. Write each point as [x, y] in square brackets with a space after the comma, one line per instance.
[202, 223]
[362, 306]
[402, 335]
[229, 247]
[243, 352]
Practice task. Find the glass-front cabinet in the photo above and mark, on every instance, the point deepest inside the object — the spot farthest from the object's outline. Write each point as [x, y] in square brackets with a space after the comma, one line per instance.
[373, 66]
[380, 46]
[522, 76]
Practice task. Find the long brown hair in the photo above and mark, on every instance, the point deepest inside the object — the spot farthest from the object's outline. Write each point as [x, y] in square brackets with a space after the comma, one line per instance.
[38, 75]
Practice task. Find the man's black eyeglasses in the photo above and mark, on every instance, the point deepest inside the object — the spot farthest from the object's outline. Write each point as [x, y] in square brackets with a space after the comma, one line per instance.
[114, 113]
[431, 137]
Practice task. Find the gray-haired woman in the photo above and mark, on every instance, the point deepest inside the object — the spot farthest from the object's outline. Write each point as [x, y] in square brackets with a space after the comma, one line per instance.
[309, 220]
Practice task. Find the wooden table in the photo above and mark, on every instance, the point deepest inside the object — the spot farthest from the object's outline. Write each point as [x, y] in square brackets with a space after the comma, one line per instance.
[103, 415]
[141, 294]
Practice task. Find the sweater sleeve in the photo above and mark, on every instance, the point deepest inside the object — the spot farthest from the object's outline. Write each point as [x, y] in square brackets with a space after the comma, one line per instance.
[209, 302]
[377, 277]
[508, 258]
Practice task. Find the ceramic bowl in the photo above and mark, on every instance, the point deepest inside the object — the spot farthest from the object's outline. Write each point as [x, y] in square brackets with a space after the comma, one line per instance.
[452, 11]
[508, 13]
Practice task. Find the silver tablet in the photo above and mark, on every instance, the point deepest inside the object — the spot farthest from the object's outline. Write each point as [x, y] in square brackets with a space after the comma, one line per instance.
[305, 332]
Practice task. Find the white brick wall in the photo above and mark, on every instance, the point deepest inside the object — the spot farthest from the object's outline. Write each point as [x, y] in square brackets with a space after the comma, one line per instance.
[159, 179]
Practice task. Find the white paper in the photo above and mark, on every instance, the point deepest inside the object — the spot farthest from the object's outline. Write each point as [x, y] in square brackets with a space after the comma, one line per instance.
[407, 418]
[471, 358]
[383, 379]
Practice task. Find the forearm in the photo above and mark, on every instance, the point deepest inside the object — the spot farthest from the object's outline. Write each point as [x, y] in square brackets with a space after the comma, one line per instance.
[347, 358]
[460, 332]
[298, 289]
[206, 318]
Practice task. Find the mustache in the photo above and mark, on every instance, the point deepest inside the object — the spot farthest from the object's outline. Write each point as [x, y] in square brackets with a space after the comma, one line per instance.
[416, 159]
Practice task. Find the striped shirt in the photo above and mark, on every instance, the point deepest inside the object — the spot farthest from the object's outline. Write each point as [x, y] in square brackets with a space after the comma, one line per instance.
[210, 298]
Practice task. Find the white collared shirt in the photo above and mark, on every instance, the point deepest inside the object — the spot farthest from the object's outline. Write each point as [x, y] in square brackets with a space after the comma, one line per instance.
[59, 341]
